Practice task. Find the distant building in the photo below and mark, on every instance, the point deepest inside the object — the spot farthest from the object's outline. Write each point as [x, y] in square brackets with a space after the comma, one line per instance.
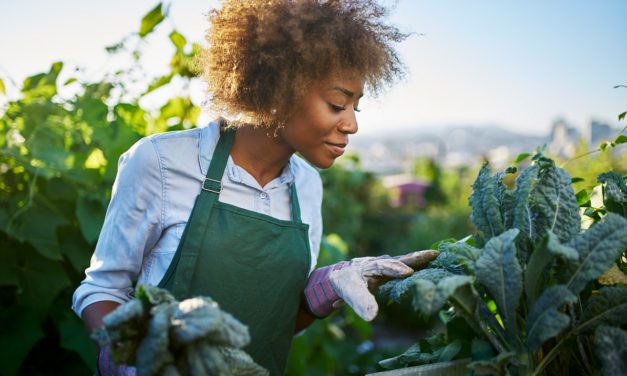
[599, 132]
[407, 191]
[564, 139]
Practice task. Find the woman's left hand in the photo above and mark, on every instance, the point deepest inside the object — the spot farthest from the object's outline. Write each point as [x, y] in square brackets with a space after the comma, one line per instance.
[353, 281]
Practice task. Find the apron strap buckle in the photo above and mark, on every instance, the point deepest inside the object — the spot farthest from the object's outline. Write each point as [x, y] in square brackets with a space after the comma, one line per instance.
[211, 185]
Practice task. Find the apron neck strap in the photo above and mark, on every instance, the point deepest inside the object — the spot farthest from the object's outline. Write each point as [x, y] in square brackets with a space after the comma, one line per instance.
[295, 204]
[221, 154]
[213, 180]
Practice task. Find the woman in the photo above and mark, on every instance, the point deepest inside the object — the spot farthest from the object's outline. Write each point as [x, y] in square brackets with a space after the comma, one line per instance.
[229, 210]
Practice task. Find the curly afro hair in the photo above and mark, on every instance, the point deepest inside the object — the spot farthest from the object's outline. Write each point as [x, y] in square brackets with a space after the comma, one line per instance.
[262, 55]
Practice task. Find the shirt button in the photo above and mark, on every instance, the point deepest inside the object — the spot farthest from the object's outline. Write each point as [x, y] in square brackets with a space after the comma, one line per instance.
[263, 195]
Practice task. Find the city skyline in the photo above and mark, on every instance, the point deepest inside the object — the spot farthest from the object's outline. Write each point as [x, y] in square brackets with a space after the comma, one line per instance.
[516, 65]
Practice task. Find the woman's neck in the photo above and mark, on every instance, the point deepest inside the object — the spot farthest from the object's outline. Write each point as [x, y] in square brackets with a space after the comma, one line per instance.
[260, 153]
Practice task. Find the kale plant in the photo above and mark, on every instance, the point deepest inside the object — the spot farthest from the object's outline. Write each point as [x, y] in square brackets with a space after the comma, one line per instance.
[161, 336]
[528, 281]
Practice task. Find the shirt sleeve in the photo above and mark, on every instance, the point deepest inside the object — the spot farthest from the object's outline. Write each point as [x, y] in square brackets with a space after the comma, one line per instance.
[132, 226]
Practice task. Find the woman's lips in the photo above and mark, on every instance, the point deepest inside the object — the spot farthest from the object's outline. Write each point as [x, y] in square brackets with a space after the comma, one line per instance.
[336, 149]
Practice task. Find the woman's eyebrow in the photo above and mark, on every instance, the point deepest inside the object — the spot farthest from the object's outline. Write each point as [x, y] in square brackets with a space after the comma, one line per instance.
[347, 92]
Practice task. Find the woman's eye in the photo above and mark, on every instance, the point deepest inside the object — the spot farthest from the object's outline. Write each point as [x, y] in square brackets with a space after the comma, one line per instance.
[357, 109]
[337, 108]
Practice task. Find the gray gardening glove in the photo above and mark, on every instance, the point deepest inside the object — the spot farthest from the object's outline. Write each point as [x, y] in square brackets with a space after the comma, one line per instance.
[352, 282]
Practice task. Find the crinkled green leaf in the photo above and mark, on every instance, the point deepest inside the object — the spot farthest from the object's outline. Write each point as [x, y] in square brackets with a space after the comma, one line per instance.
[614, 192]
[433, 349]
[523, 217]
[554, 205]
[494, 366]
[153, 352]
[609, 307]
[162, 336]
[457, 257]
[541, 258]
[240, 363]
[486, 209]
[429, 288]
[429, 298]
[396, 288]
[499, 271]
[201, 317]
[611, 348]
[545, 320]
[598, 249]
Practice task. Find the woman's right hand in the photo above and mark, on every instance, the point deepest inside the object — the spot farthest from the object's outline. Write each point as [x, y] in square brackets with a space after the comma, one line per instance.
[107, 367]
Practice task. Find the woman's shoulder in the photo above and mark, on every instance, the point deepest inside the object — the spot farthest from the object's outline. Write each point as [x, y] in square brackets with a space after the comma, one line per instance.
[208, 132]
[174, 149]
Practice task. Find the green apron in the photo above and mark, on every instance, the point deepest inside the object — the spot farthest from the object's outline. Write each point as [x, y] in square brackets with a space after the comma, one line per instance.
[255, 266]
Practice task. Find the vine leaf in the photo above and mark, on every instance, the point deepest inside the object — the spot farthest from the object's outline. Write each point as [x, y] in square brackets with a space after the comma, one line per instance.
[545, 321]
[17, 322]
[151, 20]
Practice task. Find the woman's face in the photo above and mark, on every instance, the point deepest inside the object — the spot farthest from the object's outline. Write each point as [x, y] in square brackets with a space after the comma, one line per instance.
[325, 117]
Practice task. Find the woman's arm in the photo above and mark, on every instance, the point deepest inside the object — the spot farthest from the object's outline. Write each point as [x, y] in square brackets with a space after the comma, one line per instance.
[304, 318]
[94, 313]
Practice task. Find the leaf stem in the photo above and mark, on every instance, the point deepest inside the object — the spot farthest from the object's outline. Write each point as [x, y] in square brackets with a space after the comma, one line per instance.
[582, 352]
[493, 340]
[549, 357]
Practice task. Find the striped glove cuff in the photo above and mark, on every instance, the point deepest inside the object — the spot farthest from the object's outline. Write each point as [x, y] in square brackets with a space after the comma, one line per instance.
[319, 293]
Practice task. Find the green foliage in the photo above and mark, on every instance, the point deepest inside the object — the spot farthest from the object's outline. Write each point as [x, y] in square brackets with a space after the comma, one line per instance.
[432, 349]
[536, 264]
[497, 269]
[151, 20]
[353, 198]
[611, 348]
[58, 160]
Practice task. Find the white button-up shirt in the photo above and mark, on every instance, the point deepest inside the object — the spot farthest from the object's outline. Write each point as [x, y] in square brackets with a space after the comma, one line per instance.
[153, 195]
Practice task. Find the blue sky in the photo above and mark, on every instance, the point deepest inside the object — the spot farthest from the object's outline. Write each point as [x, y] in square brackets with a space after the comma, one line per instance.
[518, 64]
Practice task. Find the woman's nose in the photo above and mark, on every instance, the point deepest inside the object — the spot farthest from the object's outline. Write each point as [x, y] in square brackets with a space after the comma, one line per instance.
[349, 123]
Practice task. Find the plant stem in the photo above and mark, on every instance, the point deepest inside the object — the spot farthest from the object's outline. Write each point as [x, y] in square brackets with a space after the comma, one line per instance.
[584, 357]
[597, 150]
[473, 318]
[493, 340]
[549, 357]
